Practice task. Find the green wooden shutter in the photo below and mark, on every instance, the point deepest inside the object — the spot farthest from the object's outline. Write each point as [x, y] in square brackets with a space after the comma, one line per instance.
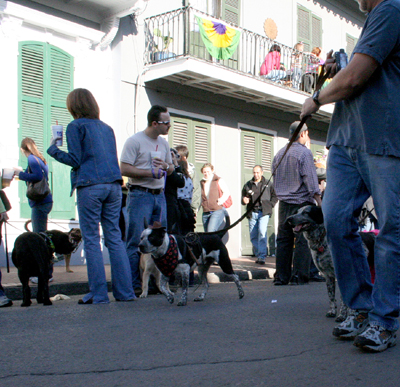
[350, 44]
[230, 12]
[196, 136]
[309, 29]
[46, 78]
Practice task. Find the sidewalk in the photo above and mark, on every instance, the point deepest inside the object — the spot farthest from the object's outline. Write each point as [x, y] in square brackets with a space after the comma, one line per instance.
[77, 283]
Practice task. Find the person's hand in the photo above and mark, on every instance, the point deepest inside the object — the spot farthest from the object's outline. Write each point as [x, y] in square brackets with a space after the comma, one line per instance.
[309, 107]
[17, 170]
[330, 64]
[159, 172]
[158, 163]
[3, 216]
[53, 140]
[246, 200]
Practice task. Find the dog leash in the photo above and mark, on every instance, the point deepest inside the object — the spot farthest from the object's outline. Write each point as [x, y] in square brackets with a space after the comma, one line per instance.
[320, 82]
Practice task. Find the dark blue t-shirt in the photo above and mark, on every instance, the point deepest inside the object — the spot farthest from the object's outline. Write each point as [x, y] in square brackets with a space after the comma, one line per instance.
[370, 121]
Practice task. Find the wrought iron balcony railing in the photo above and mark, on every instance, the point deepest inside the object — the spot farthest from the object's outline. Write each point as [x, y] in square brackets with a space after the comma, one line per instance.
[177, 34]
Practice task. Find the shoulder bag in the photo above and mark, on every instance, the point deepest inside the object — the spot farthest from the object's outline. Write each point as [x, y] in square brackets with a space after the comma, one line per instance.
[39, 190]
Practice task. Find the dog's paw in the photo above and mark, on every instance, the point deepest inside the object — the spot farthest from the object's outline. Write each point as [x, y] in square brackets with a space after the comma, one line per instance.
[241, 294]
[182, 303]
[340, 318]
[198, 299]
[143, 295]
[170, 299]
[331, 313]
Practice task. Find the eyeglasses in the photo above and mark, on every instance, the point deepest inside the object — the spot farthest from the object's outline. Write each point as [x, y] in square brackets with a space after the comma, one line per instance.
[164, 122]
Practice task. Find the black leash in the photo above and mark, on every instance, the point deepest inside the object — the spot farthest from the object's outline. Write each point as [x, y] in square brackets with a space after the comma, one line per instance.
[321, 80]
[5, 238]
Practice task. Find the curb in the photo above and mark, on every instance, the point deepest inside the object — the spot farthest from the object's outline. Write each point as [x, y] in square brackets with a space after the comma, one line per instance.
[77, 288]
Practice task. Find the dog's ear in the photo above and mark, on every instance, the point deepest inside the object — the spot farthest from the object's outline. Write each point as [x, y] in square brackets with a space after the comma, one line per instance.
[316, 214]
[146, 225]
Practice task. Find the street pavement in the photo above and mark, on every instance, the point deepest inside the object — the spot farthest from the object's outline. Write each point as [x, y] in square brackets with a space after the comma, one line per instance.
[77, 283]
[274, 336]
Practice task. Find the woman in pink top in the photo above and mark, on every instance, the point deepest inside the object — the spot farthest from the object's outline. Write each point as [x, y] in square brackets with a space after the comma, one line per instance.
[271, 67]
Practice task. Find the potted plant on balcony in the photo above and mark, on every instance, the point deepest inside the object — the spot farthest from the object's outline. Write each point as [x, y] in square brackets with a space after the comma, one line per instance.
[163, 54]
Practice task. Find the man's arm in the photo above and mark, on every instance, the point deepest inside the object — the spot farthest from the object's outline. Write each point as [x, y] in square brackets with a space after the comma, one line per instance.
[131, 171]
[345, 84]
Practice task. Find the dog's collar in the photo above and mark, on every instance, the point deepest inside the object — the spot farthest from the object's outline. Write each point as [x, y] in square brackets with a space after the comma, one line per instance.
[168, 262]
[47, 238]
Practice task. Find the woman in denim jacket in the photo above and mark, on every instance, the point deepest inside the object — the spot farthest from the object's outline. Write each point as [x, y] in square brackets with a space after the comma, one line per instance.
[92, 154]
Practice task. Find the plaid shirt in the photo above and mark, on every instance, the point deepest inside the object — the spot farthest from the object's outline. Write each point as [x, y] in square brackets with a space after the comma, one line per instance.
[295, 180]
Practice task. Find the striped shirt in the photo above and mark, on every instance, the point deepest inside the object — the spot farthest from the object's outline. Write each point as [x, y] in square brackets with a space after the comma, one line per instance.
[295, 180]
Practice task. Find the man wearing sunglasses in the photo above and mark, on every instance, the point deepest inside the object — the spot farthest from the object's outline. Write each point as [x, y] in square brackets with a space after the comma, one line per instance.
[146, 161]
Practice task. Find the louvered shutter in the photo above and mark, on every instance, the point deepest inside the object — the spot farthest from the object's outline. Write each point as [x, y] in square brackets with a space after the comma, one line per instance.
[266, 155]
[303, 27]
[316, 32]
[249, 152]
[31, 110]
[231, 11]
[45, 79]
[350, 44]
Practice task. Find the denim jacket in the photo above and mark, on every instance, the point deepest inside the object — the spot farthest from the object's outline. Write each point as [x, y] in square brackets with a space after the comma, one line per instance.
[92, 153]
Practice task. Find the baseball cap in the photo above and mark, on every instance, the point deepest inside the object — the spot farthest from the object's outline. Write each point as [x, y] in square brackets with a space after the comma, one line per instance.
[294, 126]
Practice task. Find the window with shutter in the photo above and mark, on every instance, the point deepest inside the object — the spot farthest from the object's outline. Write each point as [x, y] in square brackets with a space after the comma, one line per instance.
[309, 28]
[45, 79]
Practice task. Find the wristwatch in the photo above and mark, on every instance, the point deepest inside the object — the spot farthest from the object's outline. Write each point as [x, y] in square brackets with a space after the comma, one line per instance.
[315, 98]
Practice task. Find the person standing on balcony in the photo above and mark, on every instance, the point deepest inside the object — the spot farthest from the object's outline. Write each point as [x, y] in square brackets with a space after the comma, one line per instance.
[259, 217]
[364, 160]
[147, 171]
[297, 61]
[296, 185]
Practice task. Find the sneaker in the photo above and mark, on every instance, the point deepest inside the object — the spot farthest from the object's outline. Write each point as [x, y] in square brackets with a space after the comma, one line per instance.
[376, 338]
[354, 324]
[4, 302]
[34, 280]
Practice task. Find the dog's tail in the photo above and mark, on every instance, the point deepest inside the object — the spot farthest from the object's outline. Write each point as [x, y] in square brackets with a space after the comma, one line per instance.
[26, 225]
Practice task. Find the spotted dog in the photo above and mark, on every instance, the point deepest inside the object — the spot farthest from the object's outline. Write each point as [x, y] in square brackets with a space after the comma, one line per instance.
[148, 267]
[310, 221]
[32, 255]
[172, 255]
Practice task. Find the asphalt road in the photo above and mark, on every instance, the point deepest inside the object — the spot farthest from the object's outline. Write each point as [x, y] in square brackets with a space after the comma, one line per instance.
[274, 336]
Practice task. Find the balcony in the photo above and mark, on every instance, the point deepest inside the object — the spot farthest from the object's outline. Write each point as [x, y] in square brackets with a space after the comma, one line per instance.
[176, 51]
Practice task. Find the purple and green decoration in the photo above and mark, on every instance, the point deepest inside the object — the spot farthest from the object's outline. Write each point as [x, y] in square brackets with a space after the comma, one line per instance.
[220, 40]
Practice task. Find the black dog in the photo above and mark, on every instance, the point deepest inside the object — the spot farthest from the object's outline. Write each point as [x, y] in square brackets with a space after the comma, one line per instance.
[310, 220]
[32, 255]
[174, 254]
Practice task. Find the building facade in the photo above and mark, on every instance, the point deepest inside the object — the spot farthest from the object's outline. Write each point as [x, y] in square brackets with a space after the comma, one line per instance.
[134, 54]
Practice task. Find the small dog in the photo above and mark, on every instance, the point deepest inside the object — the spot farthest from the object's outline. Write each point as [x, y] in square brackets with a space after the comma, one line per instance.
[310, 220]
[32, 255]
[148, 267]
[172, 255]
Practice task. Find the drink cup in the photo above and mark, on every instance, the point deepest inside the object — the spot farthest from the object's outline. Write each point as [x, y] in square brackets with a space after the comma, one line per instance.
[57, 132]
[7, 176]
[155, 155]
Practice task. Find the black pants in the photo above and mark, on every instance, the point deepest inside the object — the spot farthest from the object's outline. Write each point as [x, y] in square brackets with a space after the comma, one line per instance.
[285, 242]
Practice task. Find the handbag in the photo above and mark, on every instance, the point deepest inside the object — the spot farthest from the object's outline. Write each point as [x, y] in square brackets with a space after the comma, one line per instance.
[228, 201]
[39, 190]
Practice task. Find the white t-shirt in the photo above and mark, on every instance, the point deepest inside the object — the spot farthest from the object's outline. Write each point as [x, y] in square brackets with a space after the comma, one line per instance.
[136, 152]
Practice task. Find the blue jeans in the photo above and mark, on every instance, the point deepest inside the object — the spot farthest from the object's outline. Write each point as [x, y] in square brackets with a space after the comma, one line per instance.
[39, 216]
[352, 176]
[276, 75]
[101, 203]
[2, 294]
[142, 205]
[212, 220]
[258, 226]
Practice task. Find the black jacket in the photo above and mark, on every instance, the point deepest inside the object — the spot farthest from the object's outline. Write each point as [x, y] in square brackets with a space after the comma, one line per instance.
[268, 199]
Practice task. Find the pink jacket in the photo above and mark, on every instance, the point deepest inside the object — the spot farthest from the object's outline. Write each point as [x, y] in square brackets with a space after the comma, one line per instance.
[272, 62]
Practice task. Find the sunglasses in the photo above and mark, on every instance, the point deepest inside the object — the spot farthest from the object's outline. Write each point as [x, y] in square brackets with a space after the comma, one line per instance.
[163, 122]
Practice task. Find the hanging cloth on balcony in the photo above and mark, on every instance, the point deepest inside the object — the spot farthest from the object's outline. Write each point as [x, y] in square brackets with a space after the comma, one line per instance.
[220, 40]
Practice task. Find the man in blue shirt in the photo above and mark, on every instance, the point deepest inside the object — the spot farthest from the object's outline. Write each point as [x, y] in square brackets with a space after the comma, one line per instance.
[364, 160]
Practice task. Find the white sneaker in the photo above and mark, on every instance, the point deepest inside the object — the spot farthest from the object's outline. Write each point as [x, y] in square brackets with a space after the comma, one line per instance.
[4, 302]
[34, 280]
[376, 338]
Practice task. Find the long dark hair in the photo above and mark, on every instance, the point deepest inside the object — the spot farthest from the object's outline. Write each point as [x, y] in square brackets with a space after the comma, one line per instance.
[82, 104]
